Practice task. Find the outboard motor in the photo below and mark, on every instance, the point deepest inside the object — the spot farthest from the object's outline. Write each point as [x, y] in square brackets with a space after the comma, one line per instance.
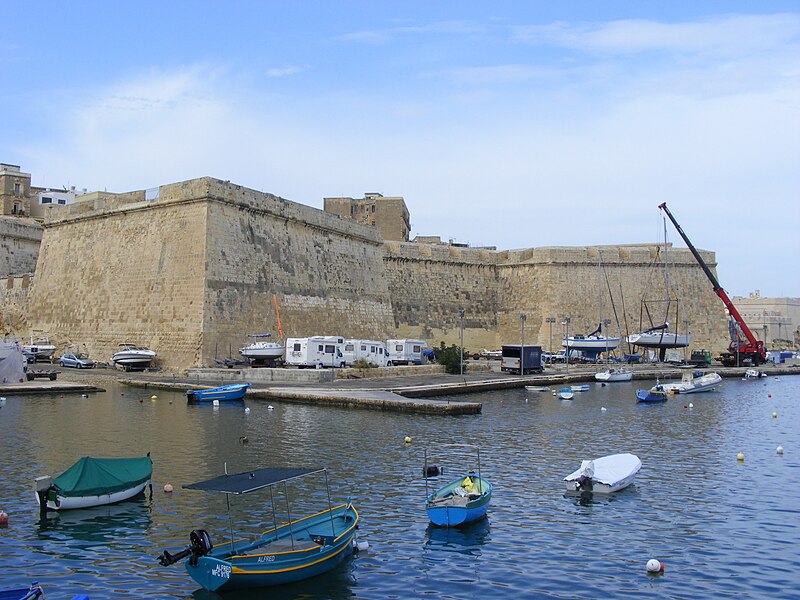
[584, 482]
[432, 471]
[199, 545]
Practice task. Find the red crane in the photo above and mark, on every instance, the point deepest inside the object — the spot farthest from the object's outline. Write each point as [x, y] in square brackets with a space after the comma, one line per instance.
[739, 352]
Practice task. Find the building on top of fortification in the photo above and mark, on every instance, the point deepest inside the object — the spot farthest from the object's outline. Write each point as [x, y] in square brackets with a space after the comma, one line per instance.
[388, 213]
[776, 321]
[21, 199]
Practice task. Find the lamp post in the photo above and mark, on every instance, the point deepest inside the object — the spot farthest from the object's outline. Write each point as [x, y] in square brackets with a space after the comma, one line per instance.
[550, 321]
[522, 318]
[566, 341]
[686, 333]
[461, 348]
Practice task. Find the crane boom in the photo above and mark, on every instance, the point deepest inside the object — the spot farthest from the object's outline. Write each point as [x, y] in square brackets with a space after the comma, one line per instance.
[753, 349]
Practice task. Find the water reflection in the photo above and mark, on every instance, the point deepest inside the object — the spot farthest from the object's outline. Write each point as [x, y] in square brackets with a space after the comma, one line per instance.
[466, 539]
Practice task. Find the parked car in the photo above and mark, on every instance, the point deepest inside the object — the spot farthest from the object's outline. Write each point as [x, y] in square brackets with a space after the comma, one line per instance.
[79, 361]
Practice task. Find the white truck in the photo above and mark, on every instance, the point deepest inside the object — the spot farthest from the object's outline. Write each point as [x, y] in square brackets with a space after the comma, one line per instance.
[318, 351]
[371, 351]
[405, 352]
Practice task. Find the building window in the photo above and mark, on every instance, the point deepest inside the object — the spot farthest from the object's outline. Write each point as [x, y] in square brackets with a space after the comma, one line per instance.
[61, 201]
[16, 188]
[46, 200]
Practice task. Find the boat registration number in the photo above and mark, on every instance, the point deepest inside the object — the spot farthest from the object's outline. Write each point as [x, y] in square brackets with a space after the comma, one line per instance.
[222, 571]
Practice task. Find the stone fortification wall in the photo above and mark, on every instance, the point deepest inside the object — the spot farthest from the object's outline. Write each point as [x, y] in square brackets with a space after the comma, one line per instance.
[429, 283]
[19, 245]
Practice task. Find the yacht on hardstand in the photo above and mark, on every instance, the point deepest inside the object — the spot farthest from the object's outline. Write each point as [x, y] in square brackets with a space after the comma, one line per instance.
[659, 337]
[131, 356]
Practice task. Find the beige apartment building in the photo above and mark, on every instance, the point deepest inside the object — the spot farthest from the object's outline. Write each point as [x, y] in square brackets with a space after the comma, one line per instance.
[388, 213]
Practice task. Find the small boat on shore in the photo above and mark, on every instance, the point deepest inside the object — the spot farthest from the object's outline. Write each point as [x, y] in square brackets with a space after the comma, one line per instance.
[654, 394]
[604, 475]
[131, 356]
[40, 348]
[94, 482]
[262, 351]
[614, 374]
[224, 393]
[463, 500]
[692, 383]
[292, 551]
[566, 393]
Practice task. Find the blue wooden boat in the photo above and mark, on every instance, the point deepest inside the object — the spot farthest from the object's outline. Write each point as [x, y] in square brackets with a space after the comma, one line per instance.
[461, 501]
[33, 591]
[657, 393]
[225, 393]
[288, 552]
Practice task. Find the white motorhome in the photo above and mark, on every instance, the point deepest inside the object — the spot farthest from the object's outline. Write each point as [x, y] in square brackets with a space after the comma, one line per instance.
[372, 351]
[405, 352]
[316, 351]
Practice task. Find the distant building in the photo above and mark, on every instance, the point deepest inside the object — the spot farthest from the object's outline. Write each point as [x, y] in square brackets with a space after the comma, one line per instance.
[773, 320]
[15, 190]
[388, 214]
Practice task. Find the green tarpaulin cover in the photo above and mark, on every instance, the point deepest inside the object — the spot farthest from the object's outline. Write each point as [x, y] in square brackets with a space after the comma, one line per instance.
[96, 476]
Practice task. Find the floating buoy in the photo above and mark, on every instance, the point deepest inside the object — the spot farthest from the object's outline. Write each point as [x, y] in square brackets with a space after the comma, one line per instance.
[362, 546]
[774, 415]
[84, 395]
[603, 409]
[407, 439]
[269, 407]
[243, 439]
[779, 450]
[246, 410]
[685, 406]
[3, 518]
[769, 395]
[740, 457]
[153, 397]
[141, 400]
[122, 394]
[167, 488]
[691, 405]
[655, 566]
[215, 403]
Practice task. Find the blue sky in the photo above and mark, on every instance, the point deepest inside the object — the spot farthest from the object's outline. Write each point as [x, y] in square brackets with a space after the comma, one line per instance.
[511, 124]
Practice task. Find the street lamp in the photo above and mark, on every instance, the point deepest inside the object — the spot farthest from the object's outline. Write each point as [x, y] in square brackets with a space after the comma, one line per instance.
[522, 318]
[461, 348]
[566, 340]
[550, 321]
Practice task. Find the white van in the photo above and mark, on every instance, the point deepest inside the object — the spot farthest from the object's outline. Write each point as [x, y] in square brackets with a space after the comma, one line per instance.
[316, 351]
[405, 352]
[369, 350]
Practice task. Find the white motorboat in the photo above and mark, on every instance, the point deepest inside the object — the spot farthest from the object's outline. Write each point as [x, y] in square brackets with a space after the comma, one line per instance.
[566, 393]
[614, 374]
[131, 356]
[604, 475]
[694, 382]
[594, 343]
[753, 374]
[261, 349]
[40, 348]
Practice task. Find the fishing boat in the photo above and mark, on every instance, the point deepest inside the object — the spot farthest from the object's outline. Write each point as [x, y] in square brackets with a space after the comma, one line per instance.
[131, 356]
[692, 383]
[584, 387]
[261, 350]
[31, 592]
[566, 393]
[225, 393]
[604, 475]
[292, 551]
[654, 394]
[614, 374]
[463, 500]
[94, 482]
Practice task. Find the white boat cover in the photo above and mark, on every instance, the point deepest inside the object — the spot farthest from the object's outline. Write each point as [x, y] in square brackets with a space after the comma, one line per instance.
[608, 469]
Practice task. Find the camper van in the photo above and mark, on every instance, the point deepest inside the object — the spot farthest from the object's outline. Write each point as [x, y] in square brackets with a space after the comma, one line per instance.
[369, 350]
[405, 352]
[317, 351]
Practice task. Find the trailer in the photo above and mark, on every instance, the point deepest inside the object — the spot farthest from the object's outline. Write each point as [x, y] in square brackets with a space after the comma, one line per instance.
[531, 359]
[405, 352]
[317, 351]
[371, 351]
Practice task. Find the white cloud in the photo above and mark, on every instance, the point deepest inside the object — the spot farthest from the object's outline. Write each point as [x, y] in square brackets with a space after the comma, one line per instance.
[283, 71]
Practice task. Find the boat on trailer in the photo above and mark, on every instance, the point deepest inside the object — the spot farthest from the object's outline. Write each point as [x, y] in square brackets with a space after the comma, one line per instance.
[292, 551]
[462, 500]
[224, 393]
[604, 475]
[131, 356]
[94, 482]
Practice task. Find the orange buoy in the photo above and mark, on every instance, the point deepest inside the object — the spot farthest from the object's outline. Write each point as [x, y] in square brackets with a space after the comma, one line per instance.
[3, 518]
[167, 488]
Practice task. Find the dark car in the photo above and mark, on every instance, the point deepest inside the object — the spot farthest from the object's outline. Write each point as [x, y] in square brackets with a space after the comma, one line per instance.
[79, 361]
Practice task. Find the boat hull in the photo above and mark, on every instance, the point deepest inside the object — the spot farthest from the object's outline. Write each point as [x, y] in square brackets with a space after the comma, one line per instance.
[134, 359]
[73, 502]
[273, 560]
[591, 343]
[447, 509]
[225, 393]
[611, 474]
[651, 396]
[704, 383]
[566, 394]
[659, 340]
[614, 375]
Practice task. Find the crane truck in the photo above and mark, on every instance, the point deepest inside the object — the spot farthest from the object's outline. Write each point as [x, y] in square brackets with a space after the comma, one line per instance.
[744, 348]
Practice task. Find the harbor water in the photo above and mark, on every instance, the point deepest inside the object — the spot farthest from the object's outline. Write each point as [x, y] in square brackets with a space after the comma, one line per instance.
[722, 527]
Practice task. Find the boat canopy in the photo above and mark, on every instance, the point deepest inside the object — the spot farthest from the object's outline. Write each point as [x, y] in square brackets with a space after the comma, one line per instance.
[97, 476]
[250, 481]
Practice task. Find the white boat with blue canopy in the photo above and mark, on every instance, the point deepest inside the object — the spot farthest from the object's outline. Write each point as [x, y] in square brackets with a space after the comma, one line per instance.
[291, 551]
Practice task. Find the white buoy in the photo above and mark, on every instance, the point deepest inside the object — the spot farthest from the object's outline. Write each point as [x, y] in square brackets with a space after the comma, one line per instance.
[655, 566]
[153, 397]
[84, 395]
[362, 546]
[215, 403]
[691, 405]
[774, 415]
[247, 410]
[603, 409]
[740, 457]
[779, 450]
[269, 407]
[407, 439]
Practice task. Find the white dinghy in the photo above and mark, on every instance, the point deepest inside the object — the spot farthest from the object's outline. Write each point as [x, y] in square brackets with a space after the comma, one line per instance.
[604, 475]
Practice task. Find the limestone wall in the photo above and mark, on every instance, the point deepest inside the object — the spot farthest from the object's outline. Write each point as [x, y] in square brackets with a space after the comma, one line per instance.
[19, 245]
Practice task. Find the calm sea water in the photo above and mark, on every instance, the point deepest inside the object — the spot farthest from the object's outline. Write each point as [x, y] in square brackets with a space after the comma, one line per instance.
[721, 527]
